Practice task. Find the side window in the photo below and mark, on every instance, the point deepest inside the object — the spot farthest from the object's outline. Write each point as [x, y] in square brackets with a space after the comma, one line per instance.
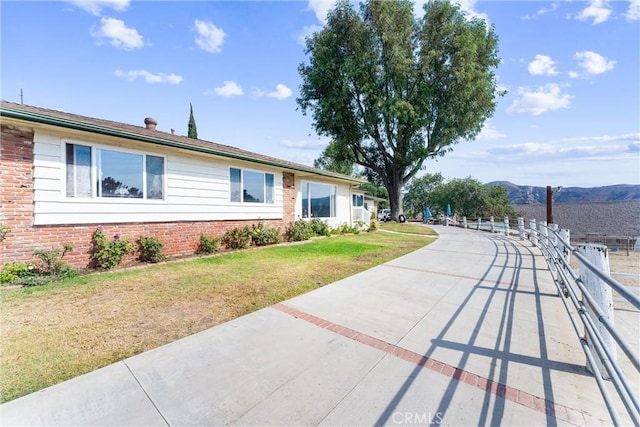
[250, 186]
[78, 170]
[118, 174]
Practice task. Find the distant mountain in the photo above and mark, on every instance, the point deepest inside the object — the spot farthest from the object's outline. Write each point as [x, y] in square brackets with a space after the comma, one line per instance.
[527, 194]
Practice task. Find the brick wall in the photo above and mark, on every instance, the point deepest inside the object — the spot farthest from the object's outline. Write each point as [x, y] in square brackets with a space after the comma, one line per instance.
[16, 214]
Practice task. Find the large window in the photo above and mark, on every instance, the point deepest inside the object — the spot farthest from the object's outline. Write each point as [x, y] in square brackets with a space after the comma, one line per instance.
[318, 200]
[250, 186]
[118, 174]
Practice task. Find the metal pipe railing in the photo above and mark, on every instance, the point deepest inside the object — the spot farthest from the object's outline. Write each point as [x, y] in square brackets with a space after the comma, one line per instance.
[556, 249]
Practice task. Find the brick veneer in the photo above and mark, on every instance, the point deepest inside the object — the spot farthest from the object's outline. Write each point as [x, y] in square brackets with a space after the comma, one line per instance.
[16, 214]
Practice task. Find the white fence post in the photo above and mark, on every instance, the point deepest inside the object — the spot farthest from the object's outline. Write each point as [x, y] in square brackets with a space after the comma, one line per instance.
[506, 225]
[566, 236]
[493, 225]
[478, 223]
[602, 294]
[521, 227]
[534, 232]
[543, 237]
[464, 222]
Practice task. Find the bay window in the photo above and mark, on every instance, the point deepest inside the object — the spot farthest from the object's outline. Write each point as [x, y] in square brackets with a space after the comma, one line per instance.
[318, 200]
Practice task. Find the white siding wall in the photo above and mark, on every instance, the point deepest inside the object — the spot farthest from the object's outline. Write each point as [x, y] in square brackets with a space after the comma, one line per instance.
[196, 188]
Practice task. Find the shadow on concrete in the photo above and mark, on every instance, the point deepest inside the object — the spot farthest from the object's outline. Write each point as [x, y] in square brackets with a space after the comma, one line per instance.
[508, 271]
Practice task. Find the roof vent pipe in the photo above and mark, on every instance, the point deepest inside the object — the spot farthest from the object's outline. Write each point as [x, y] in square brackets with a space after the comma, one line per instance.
[150, 123]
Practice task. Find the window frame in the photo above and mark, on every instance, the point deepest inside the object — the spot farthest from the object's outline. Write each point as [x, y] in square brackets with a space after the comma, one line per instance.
[333, 199]
[265, 197]
[94, 167]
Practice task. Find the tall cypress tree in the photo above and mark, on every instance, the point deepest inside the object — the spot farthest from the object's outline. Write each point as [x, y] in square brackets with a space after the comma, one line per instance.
[193, 131]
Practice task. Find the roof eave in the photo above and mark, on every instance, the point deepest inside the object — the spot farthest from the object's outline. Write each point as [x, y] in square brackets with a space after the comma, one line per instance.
[101, 130]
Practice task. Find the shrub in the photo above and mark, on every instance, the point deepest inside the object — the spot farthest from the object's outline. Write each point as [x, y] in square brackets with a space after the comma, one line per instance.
[3, 232]
[374, 225]
[16, 272]
[49, 268]
[345, 228]
[237, 238]
[319, 227]
[208, 245]
[51, 264]
[150, 249]
[262, 236]
[108, 253]
[298, 231]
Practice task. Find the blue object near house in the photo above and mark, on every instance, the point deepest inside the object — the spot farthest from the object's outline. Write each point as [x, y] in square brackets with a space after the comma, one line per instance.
[448, 209]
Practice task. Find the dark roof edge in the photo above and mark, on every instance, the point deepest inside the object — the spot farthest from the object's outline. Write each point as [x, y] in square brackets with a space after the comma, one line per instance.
[70, 124]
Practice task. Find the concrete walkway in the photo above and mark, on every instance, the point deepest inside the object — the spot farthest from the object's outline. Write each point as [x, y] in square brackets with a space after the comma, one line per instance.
[466, 331]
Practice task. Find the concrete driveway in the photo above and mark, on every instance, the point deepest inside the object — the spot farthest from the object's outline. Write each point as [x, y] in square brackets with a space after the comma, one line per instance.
[466, 331]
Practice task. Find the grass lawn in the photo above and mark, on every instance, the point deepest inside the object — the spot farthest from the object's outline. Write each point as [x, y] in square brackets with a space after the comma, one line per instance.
[408, 227]
[55, 332]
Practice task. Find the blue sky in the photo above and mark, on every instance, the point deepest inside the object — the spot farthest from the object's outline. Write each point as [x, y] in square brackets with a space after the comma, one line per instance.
[571, 68]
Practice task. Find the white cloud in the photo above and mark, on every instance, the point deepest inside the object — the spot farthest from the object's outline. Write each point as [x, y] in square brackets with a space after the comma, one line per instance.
[542, 65]
[546, 98]
[149, 77]
[633, 12]
[321, 8]
[543, 11]
[469, 7]
[118, 34]
[574, 74]
[228, 89]
[281, 92]
[594, 63]
[95, 6]
[210, 38]
[489, 132]
[306, 32]
[318, 144]
[598, 10]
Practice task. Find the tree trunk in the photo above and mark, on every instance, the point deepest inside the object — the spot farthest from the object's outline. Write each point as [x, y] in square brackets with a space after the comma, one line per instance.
[395, 199]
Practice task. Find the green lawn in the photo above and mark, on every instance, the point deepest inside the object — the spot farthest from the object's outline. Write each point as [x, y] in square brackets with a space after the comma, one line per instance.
[59, 331]
[408, 227]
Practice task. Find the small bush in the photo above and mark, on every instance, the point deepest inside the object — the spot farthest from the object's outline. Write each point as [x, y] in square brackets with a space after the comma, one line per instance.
[319, 227]
[208, 245]
[150, 249]
[262, 236]
[345, 228]
[237, 238]
[298, 231]
[16, 272]
[49, 268]
[107, 253]
[3, 232]
[374, 225]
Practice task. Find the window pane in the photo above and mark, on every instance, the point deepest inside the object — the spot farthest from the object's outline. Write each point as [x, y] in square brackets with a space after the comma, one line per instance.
[268, 178]
[358, 200]
[321, 200]
[78, 170]
[155, 177]
[253, 187]
[119, 174]
[235, 185]
[305, 200]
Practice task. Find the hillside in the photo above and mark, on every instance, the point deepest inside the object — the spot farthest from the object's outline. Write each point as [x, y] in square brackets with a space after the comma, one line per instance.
[612, 218]
[526, 194]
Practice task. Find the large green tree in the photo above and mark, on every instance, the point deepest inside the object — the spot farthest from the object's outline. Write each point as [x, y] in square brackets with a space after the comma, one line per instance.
[192, 131]
[418, 193]
[467, 197]
[392, 90]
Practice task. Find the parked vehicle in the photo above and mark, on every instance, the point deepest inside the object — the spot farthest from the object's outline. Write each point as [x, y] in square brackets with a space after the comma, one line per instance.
[384, 215]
